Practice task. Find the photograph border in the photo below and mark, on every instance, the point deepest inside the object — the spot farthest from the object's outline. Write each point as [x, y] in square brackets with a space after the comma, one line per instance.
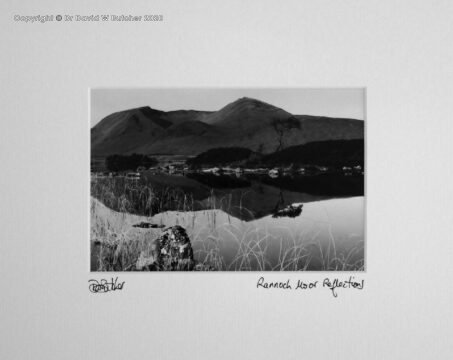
[365, 196]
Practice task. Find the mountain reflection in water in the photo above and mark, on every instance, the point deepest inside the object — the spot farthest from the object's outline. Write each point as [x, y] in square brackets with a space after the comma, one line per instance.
[237, 215]
[254, 222]
[252, 197]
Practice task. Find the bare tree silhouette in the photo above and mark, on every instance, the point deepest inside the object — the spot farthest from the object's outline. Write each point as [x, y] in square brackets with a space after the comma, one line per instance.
[283, 127]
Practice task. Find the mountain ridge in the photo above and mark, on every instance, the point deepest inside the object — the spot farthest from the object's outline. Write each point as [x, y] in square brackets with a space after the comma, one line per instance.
[245, 122]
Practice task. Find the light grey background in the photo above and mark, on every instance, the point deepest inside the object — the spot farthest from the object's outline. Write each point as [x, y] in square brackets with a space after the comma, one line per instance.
[401, 51]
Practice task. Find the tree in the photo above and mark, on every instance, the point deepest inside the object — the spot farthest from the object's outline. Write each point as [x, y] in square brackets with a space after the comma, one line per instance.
[282, 127]
[260, 150]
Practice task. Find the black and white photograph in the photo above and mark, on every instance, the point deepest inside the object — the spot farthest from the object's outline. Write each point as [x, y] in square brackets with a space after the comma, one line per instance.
[226, 180]
[219, 179]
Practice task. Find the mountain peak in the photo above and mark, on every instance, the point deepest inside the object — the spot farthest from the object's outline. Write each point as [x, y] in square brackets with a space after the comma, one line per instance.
[247, 103]
[249, 100]
[142, 109]
[245, 98]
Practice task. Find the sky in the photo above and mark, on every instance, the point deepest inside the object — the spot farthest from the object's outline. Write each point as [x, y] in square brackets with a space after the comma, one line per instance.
[334, 102]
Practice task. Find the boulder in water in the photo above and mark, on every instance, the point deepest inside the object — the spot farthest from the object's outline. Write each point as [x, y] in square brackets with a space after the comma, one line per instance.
[292, 211]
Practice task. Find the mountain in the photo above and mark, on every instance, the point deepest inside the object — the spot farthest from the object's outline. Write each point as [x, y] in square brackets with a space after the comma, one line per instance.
[127, 131]
[121, 132]
[246, 122]
[180, 116]
[246, 113]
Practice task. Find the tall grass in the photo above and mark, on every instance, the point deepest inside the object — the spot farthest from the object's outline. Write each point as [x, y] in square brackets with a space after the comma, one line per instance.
[138, 197]
[116, 245]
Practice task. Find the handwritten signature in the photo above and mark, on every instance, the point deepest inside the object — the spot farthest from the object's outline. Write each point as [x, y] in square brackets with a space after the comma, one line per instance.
[103, 286]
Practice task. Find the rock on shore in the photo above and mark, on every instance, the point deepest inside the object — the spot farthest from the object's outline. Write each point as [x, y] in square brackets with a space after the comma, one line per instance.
[172, 251]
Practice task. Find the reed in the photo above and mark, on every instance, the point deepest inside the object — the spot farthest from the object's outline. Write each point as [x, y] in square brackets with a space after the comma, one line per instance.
[116, 245]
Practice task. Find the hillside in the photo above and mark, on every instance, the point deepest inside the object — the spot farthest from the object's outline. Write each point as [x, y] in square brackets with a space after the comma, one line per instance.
[243, 123]
[246, 113]
[221, 156]
[324, 153]
[121, 132]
